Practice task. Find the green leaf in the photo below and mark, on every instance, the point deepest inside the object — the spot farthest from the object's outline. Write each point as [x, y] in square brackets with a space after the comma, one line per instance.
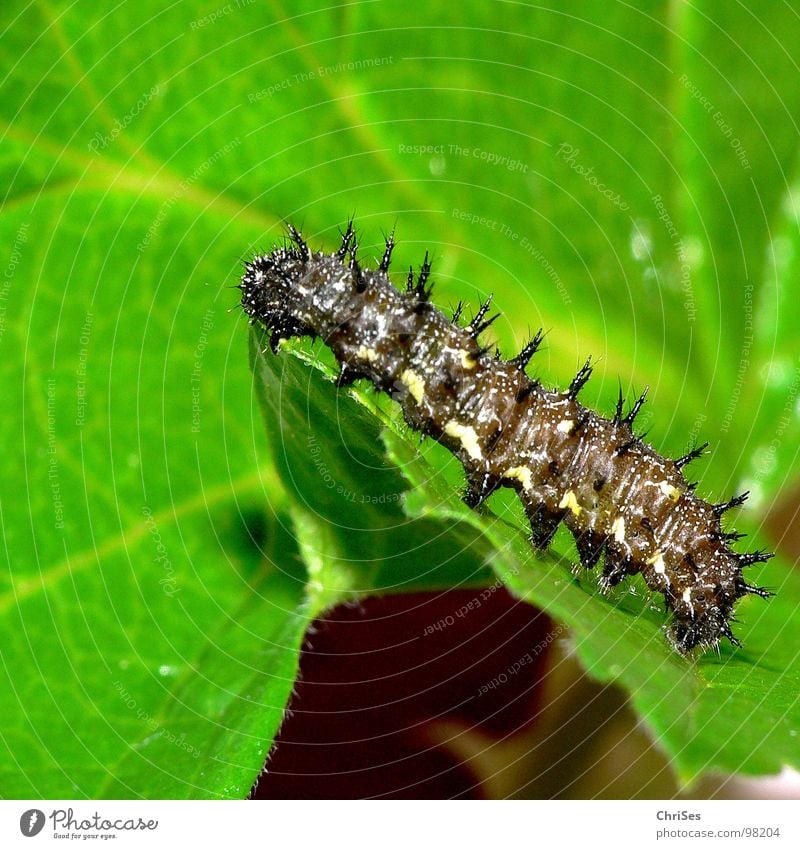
[146, 152]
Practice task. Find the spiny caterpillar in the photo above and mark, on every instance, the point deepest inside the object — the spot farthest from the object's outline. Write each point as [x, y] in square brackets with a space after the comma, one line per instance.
[613, 491]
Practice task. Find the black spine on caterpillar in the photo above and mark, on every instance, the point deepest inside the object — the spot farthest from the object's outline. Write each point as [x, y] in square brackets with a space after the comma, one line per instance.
[619, 498]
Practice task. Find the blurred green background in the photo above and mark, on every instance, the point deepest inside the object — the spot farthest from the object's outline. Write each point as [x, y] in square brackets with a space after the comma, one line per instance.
[626, 177]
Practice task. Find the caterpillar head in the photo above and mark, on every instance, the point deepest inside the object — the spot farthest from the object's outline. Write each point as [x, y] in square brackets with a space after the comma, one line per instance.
[268, 281]
[272, 292]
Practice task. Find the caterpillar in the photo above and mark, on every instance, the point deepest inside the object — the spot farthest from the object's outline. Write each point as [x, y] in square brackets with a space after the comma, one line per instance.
[620, 498]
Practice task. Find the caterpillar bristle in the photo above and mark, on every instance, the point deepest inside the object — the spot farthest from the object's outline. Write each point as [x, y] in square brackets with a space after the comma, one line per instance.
[299, 242]
[749, 558]
[736, 501]
[634, 410]
[580, 379]
[482, 310]
[347, 236]
[387, 253]
[484, 325]
[692, 455]
[526, 354]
